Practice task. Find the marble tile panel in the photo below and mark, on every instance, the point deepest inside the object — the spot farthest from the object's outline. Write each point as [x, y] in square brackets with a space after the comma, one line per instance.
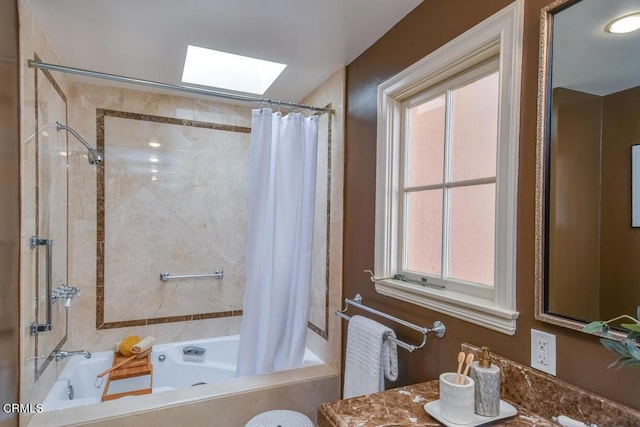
[215, 112]
[103, 339]
[183, 214]
[159, 104]
[89, 98]
[82, 196]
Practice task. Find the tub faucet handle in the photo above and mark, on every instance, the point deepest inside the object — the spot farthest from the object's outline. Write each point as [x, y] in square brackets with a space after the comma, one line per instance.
[192, 350]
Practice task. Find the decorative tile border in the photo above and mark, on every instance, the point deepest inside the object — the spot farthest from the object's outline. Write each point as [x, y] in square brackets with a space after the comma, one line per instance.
[100, 204]
[325, 333]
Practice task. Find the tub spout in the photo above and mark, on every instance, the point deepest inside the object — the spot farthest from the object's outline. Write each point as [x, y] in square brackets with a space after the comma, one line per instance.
[63, 354]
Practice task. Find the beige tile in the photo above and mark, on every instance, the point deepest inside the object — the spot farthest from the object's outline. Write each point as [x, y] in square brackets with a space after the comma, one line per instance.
[215, 112]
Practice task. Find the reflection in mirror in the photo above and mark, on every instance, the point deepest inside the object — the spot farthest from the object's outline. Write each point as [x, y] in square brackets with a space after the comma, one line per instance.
[587, 252]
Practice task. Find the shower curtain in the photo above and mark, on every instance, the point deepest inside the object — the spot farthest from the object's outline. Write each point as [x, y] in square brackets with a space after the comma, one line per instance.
[282, 182]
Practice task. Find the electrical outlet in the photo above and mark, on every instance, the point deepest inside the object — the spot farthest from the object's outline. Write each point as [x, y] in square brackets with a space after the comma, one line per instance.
[543, 351]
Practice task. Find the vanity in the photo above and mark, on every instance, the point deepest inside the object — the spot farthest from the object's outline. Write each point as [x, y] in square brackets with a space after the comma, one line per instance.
[402, 406]
[536, 396]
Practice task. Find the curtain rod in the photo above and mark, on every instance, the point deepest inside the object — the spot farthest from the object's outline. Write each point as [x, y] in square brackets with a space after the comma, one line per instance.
[169, 86]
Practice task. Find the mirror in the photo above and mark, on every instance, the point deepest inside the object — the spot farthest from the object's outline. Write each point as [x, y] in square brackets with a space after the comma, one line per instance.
[587, 249]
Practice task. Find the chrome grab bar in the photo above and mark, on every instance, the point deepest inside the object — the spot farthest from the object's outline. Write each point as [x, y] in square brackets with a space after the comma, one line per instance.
[438, 327]
[218, 274]
[35, 327]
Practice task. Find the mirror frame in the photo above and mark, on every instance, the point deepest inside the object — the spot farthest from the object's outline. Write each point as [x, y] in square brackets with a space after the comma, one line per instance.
[542, 172]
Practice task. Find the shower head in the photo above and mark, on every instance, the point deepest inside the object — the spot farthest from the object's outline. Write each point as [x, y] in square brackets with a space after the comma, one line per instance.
[95, 158]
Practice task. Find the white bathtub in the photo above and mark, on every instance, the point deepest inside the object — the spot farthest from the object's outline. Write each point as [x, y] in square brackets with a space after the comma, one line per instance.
[171, 370]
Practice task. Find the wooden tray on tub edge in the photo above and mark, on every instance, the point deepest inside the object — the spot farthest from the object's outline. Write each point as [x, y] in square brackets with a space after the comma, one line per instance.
[133, 368]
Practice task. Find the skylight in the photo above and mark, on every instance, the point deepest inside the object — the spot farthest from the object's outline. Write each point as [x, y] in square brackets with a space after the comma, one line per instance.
[228, 71]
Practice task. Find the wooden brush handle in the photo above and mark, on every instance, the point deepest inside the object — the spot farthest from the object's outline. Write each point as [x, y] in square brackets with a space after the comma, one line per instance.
[117, 365]
[466, 368]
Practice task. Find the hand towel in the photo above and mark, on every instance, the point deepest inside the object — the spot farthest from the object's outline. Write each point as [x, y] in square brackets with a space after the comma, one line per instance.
[370, 357]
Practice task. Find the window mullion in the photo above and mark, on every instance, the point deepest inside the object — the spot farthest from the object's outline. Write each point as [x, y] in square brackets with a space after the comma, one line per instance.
[405, 164]
[445, 179]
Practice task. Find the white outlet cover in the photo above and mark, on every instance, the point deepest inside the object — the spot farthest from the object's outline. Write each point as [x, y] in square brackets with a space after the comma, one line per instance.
[540, 340]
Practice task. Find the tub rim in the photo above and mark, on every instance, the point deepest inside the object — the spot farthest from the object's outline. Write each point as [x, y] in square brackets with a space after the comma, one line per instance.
[140, 404]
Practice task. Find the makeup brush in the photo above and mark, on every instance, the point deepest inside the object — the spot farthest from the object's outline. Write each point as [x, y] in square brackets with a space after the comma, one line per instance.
[460, 362]
[466, 368]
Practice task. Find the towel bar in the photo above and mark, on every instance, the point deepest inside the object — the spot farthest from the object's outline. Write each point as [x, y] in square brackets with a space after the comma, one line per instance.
[218, 274]
[438, 327]
[35, 327]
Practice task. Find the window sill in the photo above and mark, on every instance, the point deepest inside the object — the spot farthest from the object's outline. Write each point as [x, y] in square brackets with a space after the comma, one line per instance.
[479, 311]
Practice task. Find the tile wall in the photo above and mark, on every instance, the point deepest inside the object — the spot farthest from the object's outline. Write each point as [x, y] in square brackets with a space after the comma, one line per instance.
[121, 224]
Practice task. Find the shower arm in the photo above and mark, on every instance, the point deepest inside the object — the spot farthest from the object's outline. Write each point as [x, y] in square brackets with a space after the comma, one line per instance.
[60, 126]
[94, 156]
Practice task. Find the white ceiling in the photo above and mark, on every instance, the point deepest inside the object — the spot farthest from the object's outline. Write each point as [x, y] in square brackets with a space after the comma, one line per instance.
[585, 57]
[148, 39]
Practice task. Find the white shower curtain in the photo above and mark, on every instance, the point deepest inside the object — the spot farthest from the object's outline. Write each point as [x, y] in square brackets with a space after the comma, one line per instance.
[282, 181]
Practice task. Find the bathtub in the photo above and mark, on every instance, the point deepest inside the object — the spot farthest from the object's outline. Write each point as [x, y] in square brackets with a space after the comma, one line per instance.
[172, 370]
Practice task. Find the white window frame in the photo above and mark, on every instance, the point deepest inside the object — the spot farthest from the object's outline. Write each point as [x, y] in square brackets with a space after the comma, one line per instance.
[499, 35]
[445, 89]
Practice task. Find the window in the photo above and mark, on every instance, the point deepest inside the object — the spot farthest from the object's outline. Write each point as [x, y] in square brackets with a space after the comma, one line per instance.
[447, 176]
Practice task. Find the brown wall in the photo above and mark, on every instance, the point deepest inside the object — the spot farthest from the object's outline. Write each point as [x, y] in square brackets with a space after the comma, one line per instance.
[581, 359]
[9, 208]
[574, 220]
[620, 269]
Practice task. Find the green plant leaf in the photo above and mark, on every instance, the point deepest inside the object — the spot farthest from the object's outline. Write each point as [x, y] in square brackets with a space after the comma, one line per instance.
[633, 362]
[615, 347]
[618, 363]
[632, 349]
[594, 327]
[622, 362]
[631, 326]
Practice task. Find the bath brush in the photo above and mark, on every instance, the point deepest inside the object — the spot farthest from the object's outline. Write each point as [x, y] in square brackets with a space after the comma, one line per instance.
[127, 345]
[124, 362]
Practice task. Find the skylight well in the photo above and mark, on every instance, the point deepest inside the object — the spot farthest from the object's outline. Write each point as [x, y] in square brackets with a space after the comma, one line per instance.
[228, 71]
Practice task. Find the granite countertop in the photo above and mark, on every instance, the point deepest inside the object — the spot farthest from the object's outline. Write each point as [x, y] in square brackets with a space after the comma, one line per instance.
[402, 407]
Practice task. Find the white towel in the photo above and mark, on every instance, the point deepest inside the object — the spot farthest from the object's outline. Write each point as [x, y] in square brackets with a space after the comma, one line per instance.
[369, 358]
